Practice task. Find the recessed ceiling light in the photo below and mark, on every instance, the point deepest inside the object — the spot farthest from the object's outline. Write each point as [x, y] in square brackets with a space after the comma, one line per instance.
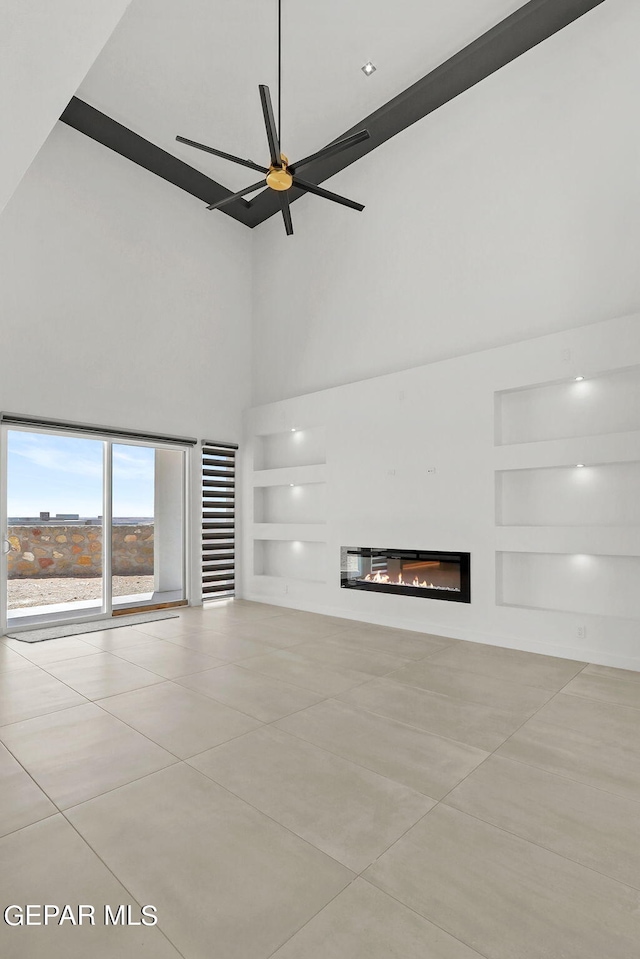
[579, 379]
[368, 68]
[579, 466]
[292, 484]
[293, 429]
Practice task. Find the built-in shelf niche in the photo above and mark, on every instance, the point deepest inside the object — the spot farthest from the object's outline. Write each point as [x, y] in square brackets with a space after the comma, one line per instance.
[606, 403]
[293, 447]
[290, 503]
[576, 583]
[605, 494]
[290, 560]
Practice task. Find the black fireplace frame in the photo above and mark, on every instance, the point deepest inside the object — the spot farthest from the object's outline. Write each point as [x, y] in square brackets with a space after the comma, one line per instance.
[447, 595]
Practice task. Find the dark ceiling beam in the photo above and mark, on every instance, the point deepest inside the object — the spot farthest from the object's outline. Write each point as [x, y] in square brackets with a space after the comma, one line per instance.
[110, 133]
[532, 24]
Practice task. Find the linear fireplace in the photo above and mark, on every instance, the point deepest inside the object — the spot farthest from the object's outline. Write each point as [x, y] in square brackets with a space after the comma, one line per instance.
[408, 572]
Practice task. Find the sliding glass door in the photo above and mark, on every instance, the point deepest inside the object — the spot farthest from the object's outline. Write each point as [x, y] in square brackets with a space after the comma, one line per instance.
[90, 527]
[147, 534]
[55, 494]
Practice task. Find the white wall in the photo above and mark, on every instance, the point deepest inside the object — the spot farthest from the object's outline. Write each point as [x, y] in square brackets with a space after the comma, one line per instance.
[47, 46]
[509, 213]
[418, 459]
[122, 302]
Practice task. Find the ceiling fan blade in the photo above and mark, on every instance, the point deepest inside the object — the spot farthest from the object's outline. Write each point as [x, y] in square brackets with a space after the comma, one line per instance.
[234, 196]
[225, 156]
[286, 213]
[332, 149]
[270, 124]
[318, 191]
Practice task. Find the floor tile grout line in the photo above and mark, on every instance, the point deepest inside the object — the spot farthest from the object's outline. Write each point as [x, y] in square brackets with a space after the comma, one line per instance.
[261, 812]
[372, 882]
[360, 765]
[311, 918]
[565, 778]
[553, 852]
[50, 712]
[160, 679]
[492, 752]
[605, 702]
[617, 679]
[180, 759]
[321, 664]
[17, 653]
[121, 883]
[459, 742]
[441, 801]
[107, 713]
[352, 762]
[384, 892]
[113, 789]
[363, 647]
[12, 832]
[541, 689]
[118, 655]
[175, 682]
[307, 688]
[73, 659]
[62, 812]
[96, 702]
[60, 808]
[220, 702]
[35, 782]
[238, 662]
[473, 702]
[286, 682]
[390, 719]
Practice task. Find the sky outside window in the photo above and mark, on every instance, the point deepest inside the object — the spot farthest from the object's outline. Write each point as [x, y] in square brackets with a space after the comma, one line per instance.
[63, 474]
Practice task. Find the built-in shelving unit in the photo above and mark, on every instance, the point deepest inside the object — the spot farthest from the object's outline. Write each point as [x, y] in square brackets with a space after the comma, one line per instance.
[290, 448]
[288, 490]
[571, 582]
[290, 503]
[594, 405]
[567, 482]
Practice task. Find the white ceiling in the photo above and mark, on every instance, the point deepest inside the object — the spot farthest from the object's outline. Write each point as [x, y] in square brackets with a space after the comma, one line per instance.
[192, 67]
[46, 50]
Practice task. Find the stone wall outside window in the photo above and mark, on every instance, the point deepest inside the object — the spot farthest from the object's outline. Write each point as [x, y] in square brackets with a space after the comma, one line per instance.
[76, 551]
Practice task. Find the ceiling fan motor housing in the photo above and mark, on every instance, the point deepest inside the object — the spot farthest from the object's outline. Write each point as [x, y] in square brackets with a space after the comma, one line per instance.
[278, 177]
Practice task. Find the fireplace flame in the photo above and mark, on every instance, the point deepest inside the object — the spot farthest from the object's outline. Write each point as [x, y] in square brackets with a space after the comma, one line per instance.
[379, 577]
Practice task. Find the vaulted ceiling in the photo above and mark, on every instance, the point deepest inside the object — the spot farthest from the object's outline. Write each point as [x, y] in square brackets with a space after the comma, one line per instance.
[192, 67]
[46, 50]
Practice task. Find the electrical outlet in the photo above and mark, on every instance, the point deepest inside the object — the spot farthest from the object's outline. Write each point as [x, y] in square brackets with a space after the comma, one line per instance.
[431, 469]
[581, 632]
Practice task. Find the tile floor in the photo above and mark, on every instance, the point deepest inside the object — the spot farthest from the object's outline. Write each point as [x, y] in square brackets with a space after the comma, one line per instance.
[287, 785]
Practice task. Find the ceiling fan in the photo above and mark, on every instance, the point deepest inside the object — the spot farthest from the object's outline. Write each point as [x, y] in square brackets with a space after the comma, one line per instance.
[281, 175]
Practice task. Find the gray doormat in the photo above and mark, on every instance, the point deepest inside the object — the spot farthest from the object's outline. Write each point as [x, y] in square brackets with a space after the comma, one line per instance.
[57, 632]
